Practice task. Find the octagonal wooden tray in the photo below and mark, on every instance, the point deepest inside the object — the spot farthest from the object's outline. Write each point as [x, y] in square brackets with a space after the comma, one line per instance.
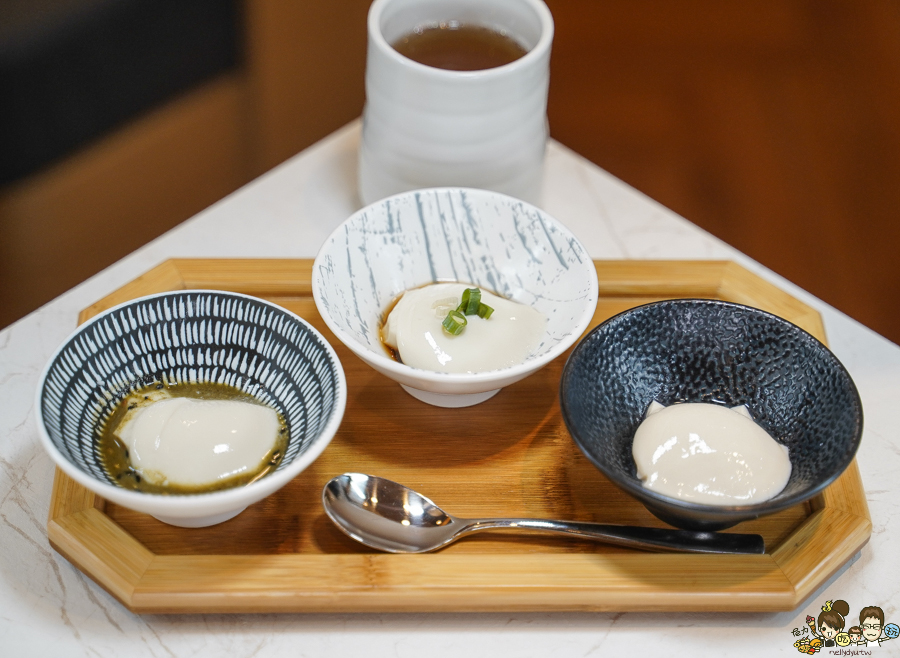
[283, 554]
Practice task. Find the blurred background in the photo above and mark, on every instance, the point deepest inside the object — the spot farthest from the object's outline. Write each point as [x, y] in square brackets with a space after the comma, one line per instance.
[773, 124]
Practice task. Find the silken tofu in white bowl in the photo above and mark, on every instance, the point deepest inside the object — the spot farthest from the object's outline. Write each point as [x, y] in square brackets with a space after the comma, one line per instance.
[402, 245]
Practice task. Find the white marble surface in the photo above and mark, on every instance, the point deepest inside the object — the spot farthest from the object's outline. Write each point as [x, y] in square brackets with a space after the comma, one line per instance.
[48, 608]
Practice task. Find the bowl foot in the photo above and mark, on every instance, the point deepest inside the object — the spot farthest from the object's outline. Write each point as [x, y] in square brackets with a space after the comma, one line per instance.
[698, 523]
[450, 400]
[199, 522]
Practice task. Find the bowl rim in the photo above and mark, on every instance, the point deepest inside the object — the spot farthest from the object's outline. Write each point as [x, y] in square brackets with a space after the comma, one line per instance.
[634, 486]
[386, 364]
[183, 505]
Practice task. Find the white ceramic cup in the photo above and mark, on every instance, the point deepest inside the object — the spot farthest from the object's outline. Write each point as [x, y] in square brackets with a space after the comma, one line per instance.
[427, 127]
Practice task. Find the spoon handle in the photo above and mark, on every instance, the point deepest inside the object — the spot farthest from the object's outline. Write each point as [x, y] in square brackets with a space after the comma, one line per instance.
[651, 539]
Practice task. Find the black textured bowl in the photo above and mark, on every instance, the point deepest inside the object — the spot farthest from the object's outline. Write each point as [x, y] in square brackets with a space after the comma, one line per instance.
[711, 351]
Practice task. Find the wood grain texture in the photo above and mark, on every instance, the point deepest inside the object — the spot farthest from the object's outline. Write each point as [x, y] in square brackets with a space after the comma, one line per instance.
[820, 547]
[446, 581]
[283, 554]
[69, 497]
[100, 548]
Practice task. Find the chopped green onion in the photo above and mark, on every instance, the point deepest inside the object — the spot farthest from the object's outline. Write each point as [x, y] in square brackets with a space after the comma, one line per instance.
[484, 311]
[454, 323]
[470, 304]
[471, 300]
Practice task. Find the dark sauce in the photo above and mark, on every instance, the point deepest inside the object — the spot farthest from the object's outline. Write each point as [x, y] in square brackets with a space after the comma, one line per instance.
[459, 47]
[114, 454]
[393, 353]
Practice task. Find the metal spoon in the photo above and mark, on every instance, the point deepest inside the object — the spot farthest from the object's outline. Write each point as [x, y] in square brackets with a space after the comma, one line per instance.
[390, 517]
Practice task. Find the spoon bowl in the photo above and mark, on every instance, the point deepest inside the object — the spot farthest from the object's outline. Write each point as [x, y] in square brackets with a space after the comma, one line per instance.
[390, 517]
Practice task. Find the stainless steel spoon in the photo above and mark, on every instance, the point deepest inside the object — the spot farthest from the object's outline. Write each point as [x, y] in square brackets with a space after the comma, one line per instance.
[390, 517]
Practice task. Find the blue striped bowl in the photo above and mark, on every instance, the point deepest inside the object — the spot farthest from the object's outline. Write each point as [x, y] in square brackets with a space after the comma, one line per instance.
[190, 336]
[453, 234]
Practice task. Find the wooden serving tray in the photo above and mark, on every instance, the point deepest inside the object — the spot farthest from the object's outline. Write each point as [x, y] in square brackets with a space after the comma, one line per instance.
[510, 456]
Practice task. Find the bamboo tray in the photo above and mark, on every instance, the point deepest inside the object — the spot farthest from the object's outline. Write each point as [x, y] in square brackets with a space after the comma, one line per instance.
[283, 554]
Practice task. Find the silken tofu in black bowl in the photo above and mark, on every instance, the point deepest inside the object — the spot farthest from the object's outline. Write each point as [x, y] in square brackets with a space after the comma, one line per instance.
[720, 353]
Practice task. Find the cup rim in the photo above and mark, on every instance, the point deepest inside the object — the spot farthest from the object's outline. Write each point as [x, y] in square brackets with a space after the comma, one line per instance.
[185, 505]
[532, 57]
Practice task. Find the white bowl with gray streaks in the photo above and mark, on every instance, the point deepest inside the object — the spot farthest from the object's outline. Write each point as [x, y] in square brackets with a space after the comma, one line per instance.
[473, 236]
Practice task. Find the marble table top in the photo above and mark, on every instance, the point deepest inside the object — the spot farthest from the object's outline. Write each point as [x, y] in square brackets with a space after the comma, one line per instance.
[49, 608]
